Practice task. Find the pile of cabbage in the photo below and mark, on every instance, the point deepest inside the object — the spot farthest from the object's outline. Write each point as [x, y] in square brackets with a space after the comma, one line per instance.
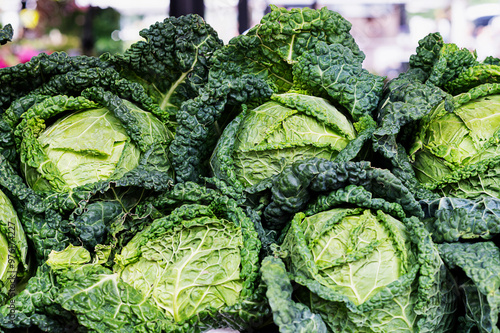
[271, 184]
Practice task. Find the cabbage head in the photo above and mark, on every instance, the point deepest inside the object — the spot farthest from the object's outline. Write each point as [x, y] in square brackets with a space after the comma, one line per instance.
[455, 150]
[439, 130]
[67, 142]
[194, 267]
[261, 142]
[366, 271]
[13, 249]
[356, 251]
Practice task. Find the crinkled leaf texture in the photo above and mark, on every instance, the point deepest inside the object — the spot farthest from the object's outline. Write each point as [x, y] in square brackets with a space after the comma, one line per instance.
[96, 143]
[455, 148]
[289, 315]
[81, 298]
[209, 278]
[335, 70]
[455, 219]
[14, 259]
[481, 287]
[437, 71]
[270, 48]
[198, 262]
[261, 142]
[352, 241]
[172, 62]
[313, 65]
[353, 182]
[365, 271]
[95, 210]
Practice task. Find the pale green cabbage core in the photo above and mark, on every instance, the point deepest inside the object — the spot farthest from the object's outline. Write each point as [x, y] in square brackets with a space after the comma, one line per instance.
[358, 253]
[455, 147]
[187, 269]
[86, 147]
[274, 135]
[13, 243]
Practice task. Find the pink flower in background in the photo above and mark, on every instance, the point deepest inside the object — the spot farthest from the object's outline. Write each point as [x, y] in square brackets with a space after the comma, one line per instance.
[24, 54]
[3, 63]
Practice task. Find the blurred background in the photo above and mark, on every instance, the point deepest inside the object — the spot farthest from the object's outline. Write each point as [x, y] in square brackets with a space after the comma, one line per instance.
[387, 31]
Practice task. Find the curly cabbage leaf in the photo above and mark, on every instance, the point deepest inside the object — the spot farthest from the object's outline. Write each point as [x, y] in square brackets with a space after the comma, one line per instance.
[287, 314]
[335, 69]
[20, 80]
[270, 48]
[455, 219]
[481, 286]
[322, 103]
[348, 182]
[173, 61]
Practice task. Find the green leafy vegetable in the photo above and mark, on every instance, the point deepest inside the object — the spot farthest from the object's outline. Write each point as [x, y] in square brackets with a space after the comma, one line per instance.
[292, 126]
[13, 250]
[359, 254]
[438, 130]
[88, 145]
[195, 267]
[172, 62]
[481, 284]
[322, 103]
[288, 315]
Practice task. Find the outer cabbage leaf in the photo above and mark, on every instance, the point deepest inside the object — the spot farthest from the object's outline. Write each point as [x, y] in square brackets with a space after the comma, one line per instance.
[19, 80]
[441, 62]
[270, 48]
[455, 219]
[291, 190]
[172, 63]
[200, 121]
[287, 314]
[335, 69]
[35, 306]
[68, 293]
[481, 289]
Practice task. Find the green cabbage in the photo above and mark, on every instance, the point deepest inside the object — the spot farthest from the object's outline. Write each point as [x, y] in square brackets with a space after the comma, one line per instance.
[439, 132]
[13, 250]
[290, 127]
[356, 252]
[455, 150]
[322, 99]
[194, 267]
[85, 146]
